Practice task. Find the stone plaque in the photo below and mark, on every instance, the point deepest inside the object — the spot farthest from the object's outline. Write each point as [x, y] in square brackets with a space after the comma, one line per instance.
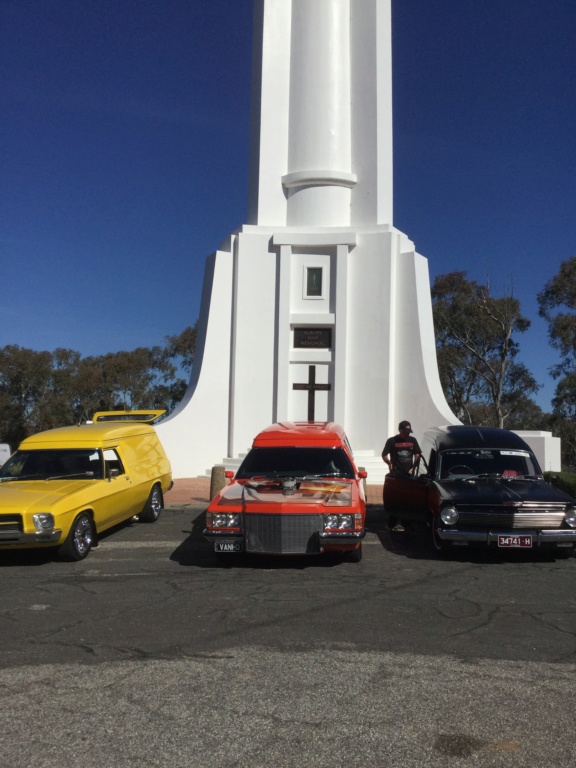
[317, 338]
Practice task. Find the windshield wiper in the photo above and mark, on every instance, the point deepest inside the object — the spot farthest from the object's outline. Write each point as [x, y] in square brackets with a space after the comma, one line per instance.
[484, 476]
[89, 473]
[530, 478]
[20, 477]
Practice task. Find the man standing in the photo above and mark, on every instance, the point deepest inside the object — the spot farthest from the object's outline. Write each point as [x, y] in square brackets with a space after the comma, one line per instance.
[402, 451]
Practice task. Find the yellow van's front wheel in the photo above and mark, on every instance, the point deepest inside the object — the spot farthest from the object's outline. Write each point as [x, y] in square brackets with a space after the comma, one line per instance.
[79, 540]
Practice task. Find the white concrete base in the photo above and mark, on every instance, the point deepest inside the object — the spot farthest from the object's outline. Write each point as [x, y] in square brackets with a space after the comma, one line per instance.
[380, 365]
[546, 448]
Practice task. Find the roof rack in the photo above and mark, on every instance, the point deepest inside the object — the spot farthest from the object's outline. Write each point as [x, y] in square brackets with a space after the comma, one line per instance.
[145, 417]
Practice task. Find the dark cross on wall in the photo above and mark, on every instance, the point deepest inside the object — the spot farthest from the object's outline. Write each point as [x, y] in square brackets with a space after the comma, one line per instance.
[311, 387]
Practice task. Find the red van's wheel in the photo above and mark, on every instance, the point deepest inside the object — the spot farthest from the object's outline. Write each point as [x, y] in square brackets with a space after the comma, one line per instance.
[354, 555]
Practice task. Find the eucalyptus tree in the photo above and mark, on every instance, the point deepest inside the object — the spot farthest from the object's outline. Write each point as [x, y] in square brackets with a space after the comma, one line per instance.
[557, 305]
[41, 390]
[477, 350]
[25, 389]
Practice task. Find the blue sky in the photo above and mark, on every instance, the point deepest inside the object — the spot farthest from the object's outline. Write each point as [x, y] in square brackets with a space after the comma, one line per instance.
[124, 138]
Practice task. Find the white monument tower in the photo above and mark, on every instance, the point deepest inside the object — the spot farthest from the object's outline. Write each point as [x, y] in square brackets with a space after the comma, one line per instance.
[318, 308]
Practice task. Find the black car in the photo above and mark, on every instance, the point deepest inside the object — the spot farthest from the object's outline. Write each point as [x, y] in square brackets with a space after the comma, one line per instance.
[484, 485]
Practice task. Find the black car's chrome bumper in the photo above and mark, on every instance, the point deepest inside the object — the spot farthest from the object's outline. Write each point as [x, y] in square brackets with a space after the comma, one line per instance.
[486, 537]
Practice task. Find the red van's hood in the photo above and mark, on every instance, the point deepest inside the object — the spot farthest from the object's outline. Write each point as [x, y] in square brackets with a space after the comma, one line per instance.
[288, 492]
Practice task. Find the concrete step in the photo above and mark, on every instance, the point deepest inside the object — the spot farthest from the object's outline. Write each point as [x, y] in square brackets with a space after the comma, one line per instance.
[373, 464]
[230, 462]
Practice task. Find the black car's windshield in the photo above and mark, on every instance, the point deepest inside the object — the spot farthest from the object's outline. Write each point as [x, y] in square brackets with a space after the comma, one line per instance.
[480, 462]
[296, 462]
[51, 464]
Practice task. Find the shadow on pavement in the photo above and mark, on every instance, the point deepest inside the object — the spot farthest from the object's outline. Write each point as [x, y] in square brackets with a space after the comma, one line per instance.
[197, 552]
[416, 543]
[45, 555]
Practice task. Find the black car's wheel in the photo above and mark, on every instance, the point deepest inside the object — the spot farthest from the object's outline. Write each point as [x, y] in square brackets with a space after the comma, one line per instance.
[354, 555]
[153, 506]
[563, 553]
[79, 540]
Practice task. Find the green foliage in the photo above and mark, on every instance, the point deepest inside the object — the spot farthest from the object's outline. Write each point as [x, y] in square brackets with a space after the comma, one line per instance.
[557, 304]
[183, 346]
[564, 481]
[476, 349]
[42, 390]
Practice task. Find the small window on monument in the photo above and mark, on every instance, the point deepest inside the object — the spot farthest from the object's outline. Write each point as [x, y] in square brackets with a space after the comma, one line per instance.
[314, 281]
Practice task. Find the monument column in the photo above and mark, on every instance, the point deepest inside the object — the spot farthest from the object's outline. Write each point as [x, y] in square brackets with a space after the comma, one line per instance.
[319, 176]
[318, 305]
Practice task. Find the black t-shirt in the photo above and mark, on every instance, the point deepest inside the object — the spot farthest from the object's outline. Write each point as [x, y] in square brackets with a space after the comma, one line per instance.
[401, 451]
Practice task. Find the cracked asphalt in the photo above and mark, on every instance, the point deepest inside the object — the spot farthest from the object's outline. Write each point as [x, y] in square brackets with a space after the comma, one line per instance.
[151, 652]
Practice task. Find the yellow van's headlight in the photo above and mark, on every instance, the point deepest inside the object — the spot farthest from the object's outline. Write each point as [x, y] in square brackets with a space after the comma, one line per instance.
[43, 521]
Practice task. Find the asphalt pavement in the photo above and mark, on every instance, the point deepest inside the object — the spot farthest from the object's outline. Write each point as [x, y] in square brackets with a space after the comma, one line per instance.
[152, 652]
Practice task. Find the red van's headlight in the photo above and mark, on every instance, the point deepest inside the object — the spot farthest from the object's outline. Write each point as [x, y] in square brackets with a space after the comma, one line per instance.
[346, 522]
[223, 520]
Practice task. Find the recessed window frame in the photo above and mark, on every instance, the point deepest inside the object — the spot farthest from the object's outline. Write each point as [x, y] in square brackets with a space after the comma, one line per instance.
[308, 269]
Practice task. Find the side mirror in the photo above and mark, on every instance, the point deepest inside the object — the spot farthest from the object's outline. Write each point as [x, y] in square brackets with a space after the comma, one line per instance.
[362, 474]
[229, 474]
[113, 473]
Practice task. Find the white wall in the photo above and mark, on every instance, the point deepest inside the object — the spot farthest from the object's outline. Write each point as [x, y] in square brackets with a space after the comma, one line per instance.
[381, 367]
[546, 449]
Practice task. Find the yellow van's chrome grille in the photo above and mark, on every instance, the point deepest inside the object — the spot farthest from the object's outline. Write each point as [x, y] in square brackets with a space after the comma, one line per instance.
[11, 523]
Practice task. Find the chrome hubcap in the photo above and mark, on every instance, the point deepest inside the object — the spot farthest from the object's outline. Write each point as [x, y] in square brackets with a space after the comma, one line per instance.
[155, 503]
[83, 535]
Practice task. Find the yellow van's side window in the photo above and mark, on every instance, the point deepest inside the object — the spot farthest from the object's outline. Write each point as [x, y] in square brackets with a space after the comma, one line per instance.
[112, 461]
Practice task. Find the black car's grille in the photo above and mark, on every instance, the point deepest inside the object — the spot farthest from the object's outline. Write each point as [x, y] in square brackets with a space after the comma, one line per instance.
[530, 516]
[10, 524]
[282, 534]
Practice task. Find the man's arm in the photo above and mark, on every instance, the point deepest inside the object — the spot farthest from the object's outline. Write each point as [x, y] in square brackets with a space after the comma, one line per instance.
[386, 453]
[416, 459]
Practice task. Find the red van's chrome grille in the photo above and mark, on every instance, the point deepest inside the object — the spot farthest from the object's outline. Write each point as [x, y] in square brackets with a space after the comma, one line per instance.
[282, 534]
[507, 518]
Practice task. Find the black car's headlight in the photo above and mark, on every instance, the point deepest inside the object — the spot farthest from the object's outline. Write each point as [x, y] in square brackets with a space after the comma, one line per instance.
[449, 515]
[570, 515]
